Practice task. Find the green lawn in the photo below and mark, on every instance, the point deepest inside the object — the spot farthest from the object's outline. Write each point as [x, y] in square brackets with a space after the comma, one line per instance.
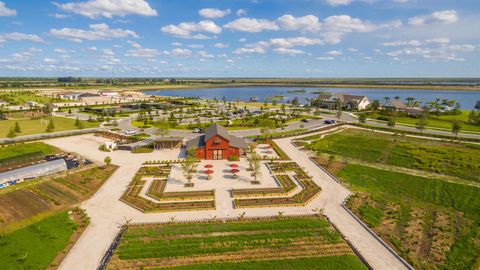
[35, 246]
[439, 157]
[35, 126]
[344, 262]
[19, 98]
[12, 151]
[444, 121]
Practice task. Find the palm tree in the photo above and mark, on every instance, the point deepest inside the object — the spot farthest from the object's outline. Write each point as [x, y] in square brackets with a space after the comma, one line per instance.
[386, 99]
[255, 159]
[410, 101]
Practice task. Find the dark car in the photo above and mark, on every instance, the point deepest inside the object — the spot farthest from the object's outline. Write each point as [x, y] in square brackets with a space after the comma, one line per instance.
[328, 122]
[304, 120]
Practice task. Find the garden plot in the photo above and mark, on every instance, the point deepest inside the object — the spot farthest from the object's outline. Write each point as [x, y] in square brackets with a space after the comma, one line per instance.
[219, 244]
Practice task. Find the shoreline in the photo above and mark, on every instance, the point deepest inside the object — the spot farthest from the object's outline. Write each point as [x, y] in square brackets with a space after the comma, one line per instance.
[200, 86]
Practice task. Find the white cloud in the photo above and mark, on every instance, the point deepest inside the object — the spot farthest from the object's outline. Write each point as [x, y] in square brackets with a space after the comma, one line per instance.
[109, 52]
[138, 51]
[324, 58]
[241, 12]
[308, 23]
[401, 1]
[188, 29]
[334, 53]
[288, 51]
[259, 47]
[15, 36]
[204, 54]
[97, 32]
[412, 42]
[49, 60]
[213, 13]
[177, 44]
[59, 16]
[251, 25]
[438, 40]
[195, 46]
[338, 2]
[439, 17]
[335, 27]
[295, 41]
[242, 40]
[178, 52]
[220, 45]
[109, 8]
[6, 12]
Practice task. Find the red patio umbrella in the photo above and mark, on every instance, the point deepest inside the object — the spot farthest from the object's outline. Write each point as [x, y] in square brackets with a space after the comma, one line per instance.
[208, 166]
[208, 173]
[234, 171]
[234, 165]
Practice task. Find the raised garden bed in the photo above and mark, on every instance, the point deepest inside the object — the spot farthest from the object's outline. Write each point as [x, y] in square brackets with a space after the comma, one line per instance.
[285, 181]
[157, 187]
[132, 198]
[309, 191]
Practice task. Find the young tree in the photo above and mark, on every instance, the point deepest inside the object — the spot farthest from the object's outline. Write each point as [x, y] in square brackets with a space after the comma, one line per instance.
[362, 118]
[295, 102]
[50, 126]
[162, 128]
[456, 127]
[188, 168]
[391, 122]
[11, 133]
[255, 167]
[339, 114]
[107, 160]
[77, 122]
[421, 124]
[17, 128]
[375, 104]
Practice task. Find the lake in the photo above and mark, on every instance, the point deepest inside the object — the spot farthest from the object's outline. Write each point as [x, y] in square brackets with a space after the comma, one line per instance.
[467, 99]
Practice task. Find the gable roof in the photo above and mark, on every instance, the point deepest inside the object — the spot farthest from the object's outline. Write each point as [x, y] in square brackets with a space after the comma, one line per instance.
[213, 131]
[395, 103]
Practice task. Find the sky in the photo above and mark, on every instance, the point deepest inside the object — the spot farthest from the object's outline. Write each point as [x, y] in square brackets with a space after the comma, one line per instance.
[237, 38]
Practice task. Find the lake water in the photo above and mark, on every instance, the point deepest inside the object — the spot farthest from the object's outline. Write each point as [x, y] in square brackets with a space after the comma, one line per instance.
[467, 99]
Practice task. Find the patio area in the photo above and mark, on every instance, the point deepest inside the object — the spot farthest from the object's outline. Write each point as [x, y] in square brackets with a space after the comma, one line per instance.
[221, 178]
[266, 151]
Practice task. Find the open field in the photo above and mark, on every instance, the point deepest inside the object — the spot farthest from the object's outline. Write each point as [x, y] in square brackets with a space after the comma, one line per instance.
[443, 121]
[36, 126]
[21, 206]
[36, 245]
[20, 97]
[249, 244]
[440, 157]
[432, 223]
[12, 155]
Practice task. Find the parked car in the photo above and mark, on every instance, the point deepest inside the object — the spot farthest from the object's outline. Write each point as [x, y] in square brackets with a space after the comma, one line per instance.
[130, 132]
[304, 120]
[196, 130]
[329, 122]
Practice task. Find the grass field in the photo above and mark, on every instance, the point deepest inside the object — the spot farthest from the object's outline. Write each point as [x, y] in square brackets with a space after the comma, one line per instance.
[35, 126]
[16, 150]
[241, 243]
[19, 98]
[434, 224]
[439, 157]
[35, 246]
[443, 121]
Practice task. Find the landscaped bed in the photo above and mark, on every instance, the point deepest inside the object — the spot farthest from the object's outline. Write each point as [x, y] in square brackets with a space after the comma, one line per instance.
[309, 191]
[241, 243]
[286, 187]
[178, 201]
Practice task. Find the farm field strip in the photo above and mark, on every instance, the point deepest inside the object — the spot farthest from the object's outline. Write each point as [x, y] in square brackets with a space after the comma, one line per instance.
[170, 244]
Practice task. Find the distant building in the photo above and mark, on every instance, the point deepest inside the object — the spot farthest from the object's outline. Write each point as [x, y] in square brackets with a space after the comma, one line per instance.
[31, 103]
[346, 101]
[69, 95]
[398, 106]
[217, 143]
[3, 103]
[108, 93]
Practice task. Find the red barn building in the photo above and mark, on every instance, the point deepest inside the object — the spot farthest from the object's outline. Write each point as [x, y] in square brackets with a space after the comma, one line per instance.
[217, 143]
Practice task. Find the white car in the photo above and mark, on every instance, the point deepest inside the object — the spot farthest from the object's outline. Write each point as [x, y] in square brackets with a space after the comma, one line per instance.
[130, 132]
[196, 130]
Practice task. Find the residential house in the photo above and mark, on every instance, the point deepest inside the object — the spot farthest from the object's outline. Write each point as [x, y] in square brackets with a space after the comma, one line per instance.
[346, 101]
[217, 143]
[398, 106]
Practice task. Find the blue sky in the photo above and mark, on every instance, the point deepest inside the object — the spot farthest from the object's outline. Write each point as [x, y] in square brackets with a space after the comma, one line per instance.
[260, 38]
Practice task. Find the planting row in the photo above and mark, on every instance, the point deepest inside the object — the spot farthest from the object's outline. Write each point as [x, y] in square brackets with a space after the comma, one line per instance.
[157, 191]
